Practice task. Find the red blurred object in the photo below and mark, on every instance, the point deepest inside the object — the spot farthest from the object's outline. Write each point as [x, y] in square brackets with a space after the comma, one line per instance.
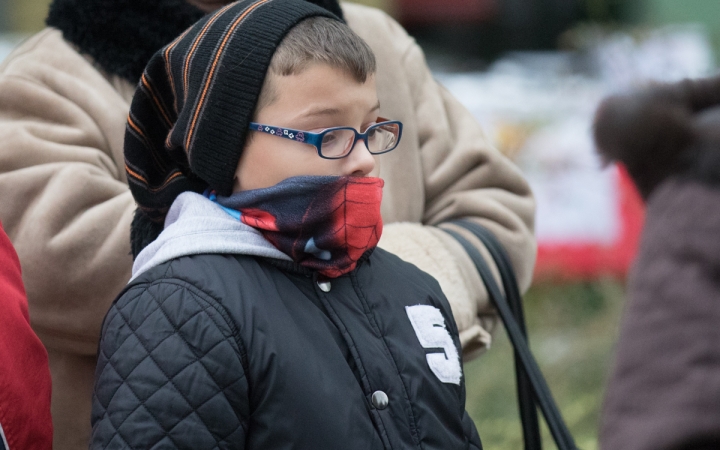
[428, 12]
[25, 386]
[574, 261]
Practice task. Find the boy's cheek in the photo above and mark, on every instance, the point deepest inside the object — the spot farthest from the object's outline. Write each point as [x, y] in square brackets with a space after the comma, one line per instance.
[376, 171]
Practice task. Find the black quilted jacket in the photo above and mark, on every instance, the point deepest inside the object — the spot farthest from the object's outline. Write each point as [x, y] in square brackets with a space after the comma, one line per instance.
[238, 352]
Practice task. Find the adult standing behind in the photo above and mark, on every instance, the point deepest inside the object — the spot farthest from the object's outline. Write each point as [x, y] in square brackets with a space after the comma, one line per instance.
[24, 375]
[664, 392]
[64, 99]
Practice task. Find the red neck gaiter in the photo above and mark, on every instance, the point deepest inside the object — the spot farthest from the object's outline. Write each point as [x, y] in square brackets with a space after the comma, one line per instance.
[323, 223]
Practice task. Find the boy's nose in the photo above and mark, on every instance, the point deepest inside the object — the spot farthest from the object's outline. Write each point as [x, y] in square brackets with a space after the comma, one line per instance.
[360, 162]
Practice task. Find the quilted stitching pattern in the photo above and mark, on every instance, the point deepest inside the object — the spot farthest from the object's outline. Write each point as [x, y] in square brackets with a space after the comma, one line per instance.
[170, 370]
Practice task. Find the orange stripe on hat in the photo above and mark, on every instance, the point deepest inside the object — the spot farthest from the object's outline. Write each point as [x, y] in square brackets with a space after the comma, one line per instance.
[146, 141]
[156, 100]
[136, 175]
[172, 176]
[196, 42]
[219, 53]
[167, 55]
[176, 173]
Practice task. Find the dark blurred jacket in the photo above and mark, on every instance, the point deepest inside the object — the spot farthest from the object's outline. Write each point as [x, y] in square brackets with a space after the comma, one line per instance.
[664, 392]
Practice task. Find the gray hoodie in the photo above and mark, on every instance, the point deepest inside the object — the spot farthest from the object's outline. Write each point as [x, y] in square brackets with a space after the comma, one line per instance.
[195, 225]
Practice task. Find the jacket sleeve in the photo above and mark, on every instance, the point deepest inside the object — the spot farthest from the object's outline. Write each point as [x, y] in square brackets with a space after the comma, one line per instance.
[65, 202]
[170, 373]
[463, 177]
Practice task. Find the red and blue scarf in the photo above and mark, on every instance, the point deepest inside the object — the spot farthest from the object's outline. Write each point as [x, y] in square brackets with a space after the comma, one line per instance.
[324, 223]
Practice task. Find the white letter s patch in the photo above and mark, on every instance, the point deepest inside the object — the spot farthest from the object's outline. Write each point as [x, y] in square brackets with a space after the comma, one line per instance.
[429, 325]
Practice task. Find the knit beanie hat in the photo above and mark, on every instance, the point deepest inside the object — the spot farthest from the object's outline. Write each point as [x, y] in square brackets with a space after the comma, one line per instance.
[190, 115]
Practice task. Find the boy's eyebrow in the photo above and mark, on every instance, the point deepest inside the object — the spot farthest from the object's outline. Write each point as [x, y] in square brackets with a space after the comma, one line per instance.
[333, 111]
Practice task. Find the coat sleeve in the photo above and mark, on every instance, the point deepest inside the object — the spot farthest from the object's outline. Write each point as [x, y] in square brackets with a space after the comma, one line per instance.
[463, 177]
[170, 373]
[65, 202]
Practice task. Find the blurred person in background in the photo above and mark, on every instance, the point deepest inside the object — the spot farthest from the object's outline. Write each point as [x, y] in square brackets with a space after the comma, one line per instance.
[64, 100]
[25, 421]
[664, 392]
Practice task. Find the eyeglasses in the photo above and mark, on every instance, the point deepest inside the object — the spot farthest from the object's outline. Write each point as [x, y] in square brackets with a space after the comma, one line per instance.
[338, 142]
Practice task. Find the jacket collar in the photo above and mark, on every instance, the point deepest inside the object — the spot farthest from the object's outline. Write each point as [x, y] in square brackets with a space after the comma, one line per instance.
[122, 35]
[295, 268]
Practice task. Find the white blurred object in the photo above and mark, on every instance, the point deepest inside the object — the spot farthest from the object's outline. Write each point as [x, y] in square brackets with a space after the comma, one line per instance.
[666, 54]
[7, 43]
[576, 197]
[550, 114]
[549, 109]
[538, 110]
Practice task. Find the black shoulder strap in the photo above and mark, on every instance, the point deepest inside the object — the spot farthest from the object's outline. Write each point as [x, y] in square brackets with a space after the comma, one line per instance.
[532, 387]
[526, 396]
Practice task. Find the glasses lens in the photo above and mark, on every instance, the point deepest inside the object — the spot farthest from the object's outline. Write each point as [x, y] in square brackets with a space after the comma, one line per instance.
[383, 137]
[337, 143]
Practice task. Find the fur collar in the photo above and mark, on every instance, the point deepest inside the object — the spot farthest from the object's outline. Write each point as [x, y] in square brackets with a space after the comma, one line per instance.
[122, 35]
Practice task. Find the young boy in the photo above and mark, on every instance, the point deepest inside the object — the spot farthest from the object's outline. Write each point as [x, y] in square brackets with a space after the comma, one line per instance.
[262, 316]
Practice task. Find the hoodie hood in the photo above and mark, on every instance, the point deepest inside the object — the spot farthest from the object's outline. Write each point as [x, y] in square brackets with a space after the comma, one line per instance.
[195, 225]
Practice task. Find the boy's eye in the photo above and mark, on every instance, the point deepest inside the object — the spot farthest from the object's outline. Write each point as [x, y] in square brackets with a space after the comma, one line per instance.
[329, 138]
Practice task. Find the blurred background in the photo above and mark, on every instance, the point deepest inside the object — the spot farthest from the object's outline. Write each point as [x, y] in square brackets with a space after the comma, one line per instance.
[533, 72]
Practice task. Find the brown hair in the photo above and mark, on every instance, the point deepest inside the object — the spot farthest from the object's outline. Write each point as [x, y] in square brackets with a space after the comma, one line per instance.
[318, 40]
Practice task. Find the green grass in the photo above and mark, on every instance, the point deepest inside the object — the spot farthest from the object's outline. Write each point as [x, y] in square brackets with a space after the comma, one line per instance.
[573, 329]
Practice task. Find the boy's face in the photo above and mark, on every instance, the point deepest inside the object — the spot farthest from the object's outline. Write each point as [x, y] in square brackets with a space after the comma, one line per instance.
[317, 98]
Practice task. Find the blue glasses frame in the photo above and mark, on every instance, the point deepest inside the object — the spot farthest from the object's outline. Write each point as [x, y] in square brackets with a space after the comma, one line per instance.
[315, 139]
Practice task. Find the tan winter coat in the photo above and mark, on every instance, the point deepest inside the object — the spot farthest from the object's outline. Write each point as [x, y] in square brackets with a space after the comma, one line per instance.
[67, 207]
